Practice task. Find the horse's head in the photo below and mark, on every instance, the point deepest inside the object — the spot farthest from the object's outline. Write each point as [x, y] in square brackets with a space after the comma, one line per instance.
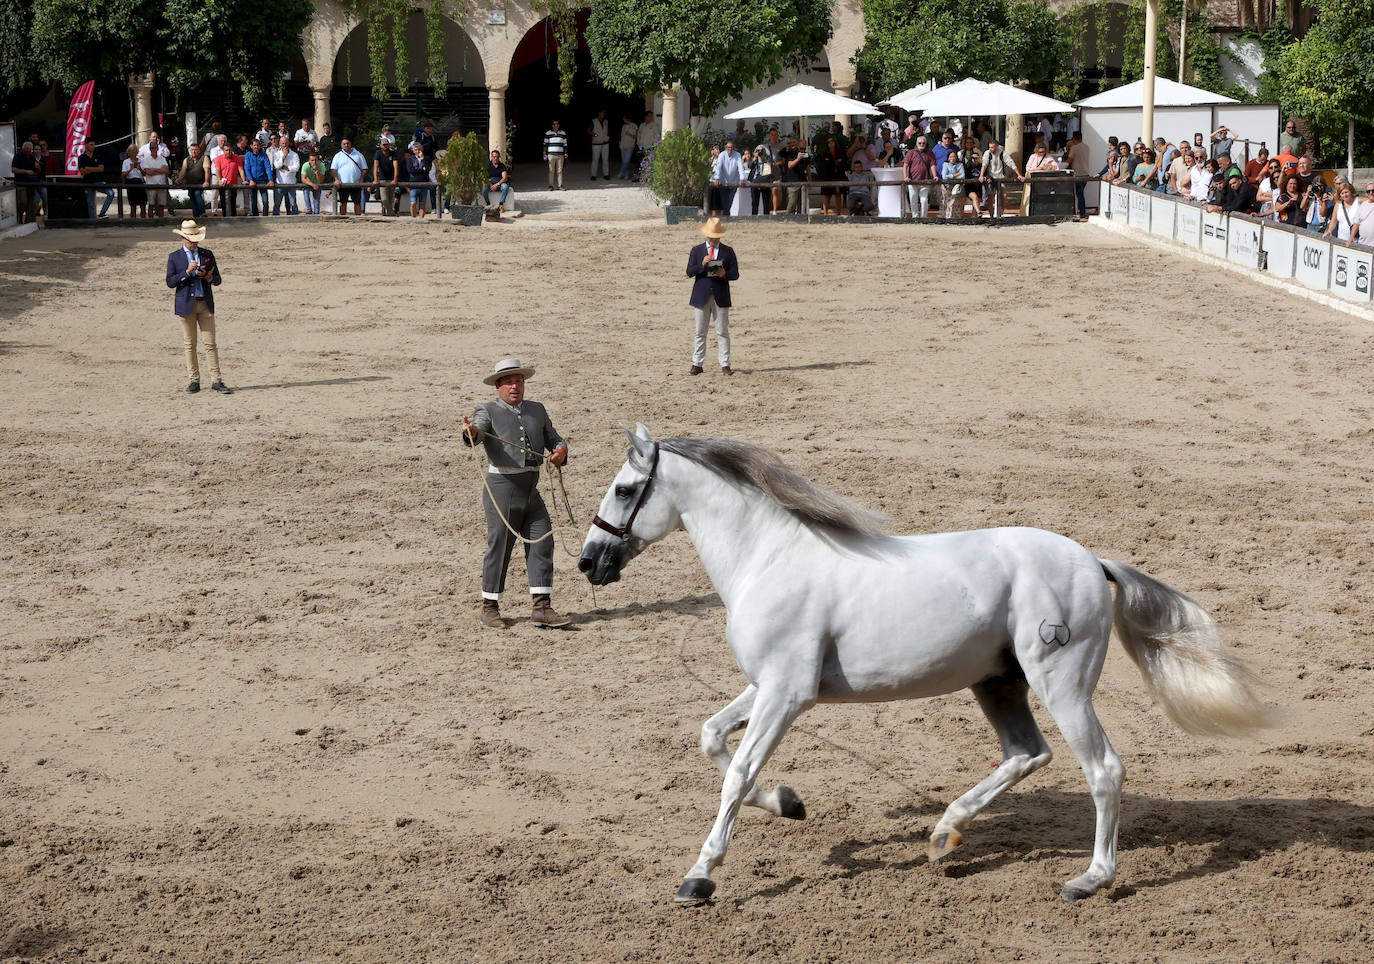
[631, 516]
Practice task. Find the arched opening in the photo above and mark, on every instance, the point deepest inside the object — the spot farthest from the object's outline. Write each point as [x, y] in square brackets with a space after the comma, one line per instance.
[532, 98]
[462, 107]
[1097, 42]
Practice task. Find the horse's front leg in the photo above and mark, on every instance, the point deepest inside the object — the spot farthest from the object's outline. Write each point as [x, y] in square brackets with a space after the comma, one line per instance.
[782, 801]
[775, 707]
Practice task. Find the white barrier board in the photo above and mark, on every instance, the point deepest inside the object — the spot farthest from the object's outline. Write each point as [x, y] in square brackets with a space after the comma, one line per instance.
[1278, 247]
[889, 196]
[1313, 264]
[1350, 270]
[1214, 233]
[1162, 216]
[1243, 241]
[1120, 202]
[1140, 209]
[1188, 225]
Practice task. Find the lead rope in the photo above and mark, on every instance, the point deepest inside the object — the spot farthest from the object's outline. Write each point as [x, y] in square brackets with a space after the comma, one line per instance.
[480, 455]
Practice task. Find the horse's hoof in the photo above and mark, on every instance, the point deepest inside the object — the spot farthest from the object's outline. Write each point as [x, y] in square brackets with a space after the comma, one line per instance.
[941, 844]
[1073, 894]
[695, 890]
[790, 805]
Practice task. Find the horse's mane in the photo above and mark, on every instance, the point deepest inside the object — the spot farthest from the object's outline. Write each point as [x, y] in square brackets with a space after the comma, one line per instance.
[756, 466]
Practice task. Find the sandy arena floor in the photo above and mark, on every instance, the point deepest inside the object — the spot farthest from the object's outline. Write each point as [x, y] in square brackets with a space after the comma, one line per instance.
[246, 711]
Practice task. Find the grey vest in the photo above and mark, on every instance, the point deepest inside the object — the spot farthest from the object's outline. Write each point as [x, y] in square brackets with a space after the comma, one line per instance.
[530, 429]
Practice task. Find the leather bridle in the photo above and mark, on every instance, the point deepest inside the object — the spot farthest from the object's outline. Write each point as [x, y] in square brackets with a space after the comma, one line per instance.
[623, 532]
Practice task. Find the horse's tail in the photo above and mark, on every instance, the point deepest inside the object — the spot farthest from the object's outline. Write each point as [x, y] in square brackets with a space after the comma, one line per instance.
[1200, 684]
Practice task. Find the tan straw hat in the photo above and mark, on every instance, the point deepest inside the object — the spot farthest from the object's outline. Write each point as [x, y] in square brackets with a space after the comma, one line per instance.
[713, 228]
[190, 231]
[507, 366]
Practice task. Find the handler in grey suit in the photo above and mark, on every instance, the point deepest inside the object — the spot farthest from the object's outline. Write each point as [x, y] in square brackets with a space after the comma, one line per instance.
[513, 426]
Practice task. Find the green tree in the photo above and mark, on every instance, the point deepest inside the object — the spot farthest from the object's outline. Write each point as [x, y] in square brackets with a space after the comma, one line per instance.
[1328, 75]
[908, 42]
[713, 49]
[71, 41]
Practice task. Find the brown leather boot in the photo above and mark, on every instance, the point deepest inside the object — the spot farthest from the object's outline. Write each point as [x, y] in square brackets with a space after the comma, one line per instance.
[543, 615]
[491, 614]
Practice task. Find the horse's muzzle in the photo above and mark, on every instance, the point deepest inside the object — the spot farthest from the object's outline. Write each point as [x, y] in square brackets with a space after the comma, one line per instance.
[601, 563]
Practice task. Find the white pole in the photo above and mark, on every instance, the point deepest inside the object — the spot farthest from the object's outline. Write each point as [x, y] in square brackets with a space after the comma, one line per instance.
[1147, 115]
[1183, 42]
[1350, 152]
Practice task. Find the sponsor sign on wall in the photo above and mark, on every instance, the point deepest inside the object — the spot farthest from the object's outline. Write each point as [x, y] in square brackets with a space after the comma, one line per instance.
[1120, 203]
[1140, 209]
[1243, 241]
[1162, 216]
[1277, 245]
[1350, 270]
[1312, 264]
[1214, 233]
[1189, 225]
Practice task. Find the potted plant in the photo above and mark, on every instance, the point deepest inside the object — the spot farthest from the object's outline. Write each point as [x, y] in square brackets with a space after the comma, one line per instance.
[462, 171]
[680, 169]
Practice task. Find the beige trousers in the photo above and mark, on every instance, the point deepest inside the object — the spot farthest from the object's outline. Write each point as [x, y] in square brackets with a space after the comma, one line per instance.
[203, 318]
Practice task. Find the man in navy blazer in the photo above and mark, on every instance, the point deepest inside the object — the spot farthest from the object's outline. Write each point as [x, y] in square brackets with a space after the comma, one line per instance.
[712, 266]
[193, 272]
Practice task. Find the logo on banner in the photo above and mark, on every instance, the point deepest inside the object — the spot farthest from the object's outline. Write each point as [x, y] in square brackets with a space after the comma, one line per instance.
[1362, 278]
[79, 125]
[1312, 257]
[1341, 271]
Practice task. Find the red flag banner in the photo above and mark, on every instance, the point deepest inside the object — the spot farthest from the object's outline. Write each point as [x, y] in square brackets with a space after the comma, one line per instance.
[79, 124]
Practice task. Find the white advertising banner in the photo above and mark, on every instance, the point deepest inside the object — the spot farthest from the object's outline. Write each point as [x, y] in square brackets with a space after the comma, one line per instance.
[889, 196]
[1278, 246]
[1350, 270]
[1313, 262]
[1188, 225]
[1243, 241]
[1120, 202]
[1214, 233]
[1162, 216]
[1140, 210]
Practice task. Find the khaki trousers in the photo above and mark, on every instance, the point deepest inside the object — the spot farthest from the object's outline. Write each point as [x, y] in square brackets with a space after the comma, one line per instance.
[203, 318]
[556, 170]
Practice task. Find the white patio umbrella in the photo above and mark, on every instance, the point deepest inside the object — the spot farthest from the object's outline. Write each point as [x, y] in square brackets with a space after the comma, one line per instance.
[803, 100]
[971, 97]
[1168, 93]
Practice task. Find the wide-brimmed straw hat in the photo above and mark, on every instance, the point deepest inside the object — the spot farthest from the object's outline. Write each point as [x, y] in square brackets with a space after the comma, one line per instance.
[713, 228]
[507, 366]
[190, 231]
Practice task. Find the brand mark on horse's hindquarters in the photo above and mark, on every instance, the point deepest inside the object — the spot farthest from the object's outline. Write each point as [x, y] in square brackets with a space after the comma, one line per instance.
[1051, 633]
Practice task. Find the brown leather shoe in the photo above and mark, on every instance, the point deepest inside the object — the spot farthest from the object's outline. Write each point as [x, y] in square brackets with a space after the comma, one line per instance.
[491, 614]
[543, 615]
[694, 370]
[726, 370]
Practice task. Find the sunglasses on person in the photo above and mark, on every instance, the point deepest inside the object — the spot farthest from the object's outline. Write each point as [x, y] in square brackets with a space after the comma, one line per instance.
[1369, 190]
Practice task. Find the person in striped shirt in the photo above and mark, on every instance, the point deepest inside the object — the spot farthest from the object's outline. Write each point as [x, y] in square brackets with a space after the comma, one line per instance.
[555, 151]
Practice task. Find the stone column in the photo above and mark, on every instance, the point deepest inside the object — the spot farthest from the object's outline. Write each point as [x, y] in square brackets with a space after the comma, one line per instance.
[142, 86]
[1016, 125]
[843, 88]
[496, 117]
[669, 109]
[321, 106]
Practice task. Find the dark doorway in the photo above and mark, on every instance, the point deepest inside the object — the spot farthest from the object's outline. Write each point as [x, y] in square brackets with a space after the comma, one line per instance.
[532, 97]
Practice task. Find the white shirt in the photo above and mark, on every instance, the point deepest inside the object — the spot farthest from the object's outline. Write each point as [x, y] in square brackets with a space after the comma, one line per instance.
[648, 135]
[304, 135]
[1202, 181]
[145, 157]
[1343, 216]
[286, 163]
[386, 139]
[264, 136]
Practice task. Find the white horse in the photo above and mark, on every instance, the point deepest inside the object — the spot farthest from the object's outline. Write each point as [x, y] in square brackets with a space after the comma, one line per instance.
[823, 608]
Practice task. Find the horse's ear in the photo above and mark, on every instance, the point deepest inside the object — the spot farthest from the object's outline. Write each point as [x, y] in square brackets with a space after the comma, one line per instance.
[642, 431]
[641, 446]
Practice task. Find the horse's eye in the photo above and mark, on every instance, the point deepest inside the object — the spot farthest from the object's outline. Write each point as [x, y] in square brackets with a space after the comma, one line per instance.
[624, 491]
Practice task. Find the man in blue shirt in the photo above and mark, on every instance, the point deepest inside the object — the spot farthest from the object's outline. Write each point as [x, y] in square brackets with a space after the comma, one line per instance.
[257, 169]
[350, 170]
[942, 150]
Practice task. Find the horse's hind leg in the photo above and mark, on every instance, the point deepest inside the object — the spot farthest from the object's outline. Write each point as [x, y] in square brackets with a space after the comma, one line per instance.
[782, 801]
[1024, 750]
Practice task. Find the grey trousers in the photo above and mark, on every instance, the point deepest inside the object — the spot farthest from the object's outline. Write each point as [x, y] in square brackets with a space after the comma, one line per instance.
[518, 499]
[702, 317]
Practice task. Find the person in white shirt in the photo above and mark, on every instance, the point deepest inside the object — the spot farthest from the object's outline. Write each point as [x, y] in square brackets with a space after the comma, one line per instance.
[600, 133]
[1199, 178]
[264, 133]
[286, 163]
[350, 170]
[629, 134]
[728, 176]
[1362, 234]
[1345, 215]
[386, 137]
[306, 138]
[156, 162]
